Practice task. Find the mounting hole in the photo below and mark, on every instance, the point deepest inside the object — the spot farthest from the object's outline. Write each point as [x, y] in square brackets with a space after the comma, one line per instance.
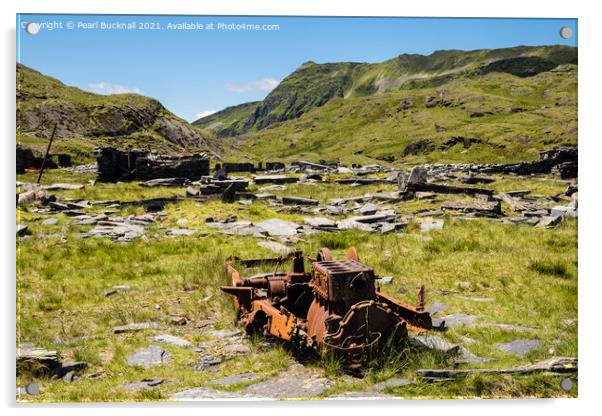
[566, 32]
[32, 28]
[566, 384]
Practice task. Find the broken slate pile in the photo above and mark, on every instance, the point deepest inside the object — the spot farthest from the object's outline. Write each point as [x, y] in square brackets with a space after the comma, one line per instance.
[117, 165]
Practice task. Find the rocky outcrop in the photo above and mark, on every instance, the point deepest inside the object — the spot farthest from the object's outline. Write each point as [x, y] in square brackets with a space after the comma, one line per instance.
[43, 102]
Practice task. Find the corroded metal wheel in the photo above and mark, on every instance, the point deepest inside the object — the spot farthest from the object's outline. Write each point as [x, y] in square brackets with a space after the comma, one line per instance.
[324, 255]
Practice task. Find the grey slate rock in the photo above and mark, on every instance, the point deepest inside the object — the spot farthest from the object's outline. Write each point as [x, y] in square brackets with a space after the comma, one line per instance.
[173, 340]
[148, 357]
[144, 384]
[368, 209]
[319, 222]
[386, 280]
[278, 227]
[426, 226]
[289, 200]
[50, 221]
[206, 362]
[237, 349]
[435, 308]
[22, 230]
[275, 247]
[435, 342]
[352, 224]
[138, 326]
[205, 393]
[459, 319]
[520, 346]
[294, 382]
[235, 379]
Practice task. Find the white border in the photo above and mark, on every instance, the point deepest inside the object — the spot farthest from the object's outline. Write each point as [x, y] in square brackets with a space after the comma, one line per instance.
[590, 293]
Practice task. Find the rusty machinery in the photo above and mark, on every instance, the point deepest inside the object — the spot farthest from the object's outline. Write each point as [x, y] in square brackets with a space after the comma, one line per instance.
[336, 307]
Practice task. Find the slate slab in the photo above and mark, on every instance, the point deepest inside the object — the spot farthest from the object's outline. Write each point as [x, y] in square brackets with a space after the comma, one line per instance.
[294, 382]
[235, 379]
[138, 326]
[207, 361]
[520, 346]
[237, 349]
[319, 222]
[435, 308]
[426, 225]
[459, 319]
[148, 357]
[278, 227]
[205, 393]
[173, 340]
[275, 247]
[143, 384]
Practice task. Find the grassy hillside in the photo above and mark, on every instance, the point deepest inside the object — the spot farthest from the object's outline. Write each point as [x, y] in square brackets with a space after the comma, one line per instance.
[488, 117]
[228, 121]
[85, 120]
[314, 85]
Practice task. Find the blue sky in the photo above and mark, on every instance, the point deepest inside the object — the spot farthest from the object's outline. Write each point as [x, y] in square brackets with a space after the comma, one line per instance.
[196, 71]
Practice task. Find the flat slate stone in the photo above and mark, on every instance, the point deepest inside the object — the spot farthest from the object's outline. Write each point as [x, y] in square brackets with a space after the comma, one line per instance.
[426, 226]
[206, 362]
[391, 383]
[319, 222]
[368, 209]
[435, 342]
[294, 382]
[22, 230]
[275, 247]
[237, 349]
[50, 221]
[278, 227]
[144, 384]
[520, 346]
[148, 357]
[205, 393]
[235, 379]
[351, 224]
[435, 308]
[173, 340]
[290, 200]
[139, 326]
[459, 319]
[386, 280]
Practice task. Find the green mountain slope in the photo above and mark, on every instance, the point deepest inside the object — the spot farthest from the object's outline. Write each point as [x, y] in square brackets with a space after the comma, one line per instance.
[85, 120]
[313, 85]
[489, 117]
[227, 121]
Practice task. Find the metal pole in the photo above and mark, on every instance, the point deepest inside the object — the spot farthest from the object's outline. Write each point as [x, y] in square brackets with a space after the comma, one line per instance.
[46, 155]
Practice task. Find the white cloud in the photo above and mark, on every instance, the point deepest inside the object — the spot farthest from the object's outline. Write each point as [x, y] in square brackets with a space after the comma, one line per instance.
[262, 84]
[107, 88]
[205, 113]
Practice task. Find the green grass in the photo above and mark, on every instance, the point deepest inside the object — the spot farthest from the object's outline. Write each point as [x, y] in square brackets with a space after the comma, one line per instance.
[530, 273]
[376, 129]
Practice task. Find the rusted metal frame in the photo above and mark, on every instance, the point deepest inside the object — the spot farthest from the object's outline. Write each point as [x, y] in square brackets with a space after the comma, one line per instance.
[280, 324]
[418, 321]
